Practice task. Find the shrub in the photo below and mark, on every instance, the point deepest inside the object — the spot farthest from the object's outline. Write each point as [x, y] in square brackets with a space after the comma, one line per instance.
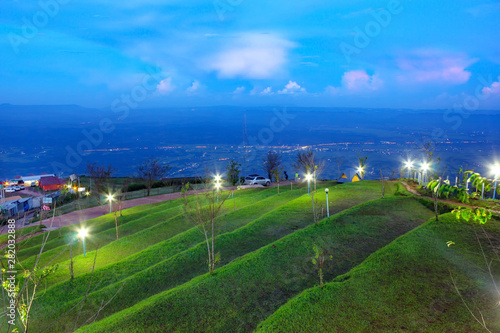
[136, 187]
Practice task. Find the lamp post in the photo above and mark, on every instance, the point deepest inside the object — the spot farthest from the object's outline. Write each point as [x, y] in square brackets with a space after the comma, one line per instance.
[409, 166]
[82, 233]
[361, 172]
[425, 168]
[308, 177]
[327, 208]
[496, 172]
[217, 185]
[110, 199]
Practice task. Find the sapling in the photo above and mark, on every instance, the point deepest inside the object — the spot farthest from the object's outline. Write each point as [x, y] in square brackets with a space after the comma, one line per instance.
[319, 261]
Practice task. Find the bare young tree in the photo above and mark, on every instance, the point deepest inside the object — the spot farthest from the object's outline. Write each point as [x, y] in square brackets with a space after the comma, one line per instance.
[271, 162]
[202, 209]
[99, 176]
[277, 174]
[151, 170]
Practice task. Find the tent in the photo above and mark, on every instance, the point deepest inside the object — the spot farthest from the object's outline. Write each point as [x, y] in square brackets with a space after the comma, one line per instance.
[356, 178]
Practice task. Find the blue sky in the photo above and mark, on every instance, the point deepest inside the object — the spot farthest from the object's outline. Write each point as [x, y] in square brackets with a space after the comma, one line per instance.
[357, 53]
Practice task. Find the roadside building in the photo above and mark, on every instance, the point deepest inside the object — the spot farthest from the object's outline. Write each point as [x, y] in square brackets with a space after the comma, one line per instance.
[50, 183]
[34, 178]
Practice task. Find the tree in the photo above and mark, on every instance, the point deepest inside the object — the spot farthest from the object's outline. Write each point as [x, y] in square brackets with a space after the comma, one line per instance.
[319, 261]
[271, 162]
[202, 210]
[277, 173]
[151, 170]
[99, 176]
[307, 163]
[233, 172]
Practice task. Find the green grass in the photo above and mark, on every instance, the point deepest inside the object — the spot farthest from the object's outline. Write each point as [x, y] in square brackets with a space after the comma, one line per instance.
[21, 233]
[277, 223]
[137, 233]
[247, 290]
[405, 287]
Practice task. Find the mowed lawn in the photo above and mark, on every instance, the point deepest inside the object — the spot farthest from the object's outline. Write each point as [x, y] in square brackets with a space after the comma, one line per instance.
[182, 257]
[250, 288]
[407, 286]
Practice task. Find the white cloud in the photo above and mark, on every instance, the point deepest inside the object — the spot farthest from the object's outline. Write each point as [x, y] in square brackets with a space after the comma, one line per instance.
[239, 90]
[356, 81]
[494, 89]
[165, 86]
[292, 88]
[253, 56]
[267, 91]
[194, 87]
[434, 66]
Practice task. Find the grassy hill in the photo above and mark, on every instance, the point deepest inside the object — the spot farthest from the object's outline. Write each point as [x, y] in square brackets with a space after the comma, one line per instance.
[155, 277]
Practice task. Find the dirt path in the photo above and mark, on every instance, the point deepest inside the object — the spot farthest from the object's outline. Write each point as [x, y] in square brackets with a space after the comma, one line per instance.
[413, 191]
[90, 213]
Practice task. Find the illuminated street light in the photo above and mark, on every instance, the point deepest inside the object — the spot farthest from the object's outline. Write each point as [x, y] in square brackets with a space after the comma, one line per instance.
[217, 186]
[361, 171]
[425, 167]
[327, 208]
[495, 169]
[110, 199]
[409, 166]
[308, 178]
[82, 233]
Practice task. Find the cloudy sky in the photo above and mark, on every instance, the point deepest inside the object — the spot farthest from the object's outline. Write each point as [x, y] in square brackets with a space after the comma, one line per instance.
[356, 53]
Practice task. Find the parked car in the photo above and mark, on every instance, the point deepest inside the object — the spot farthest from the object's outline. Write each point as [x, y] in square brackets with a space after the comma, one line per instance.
[21, 187]
[17, 188]
[33, 184]
[10, 189]
[256, 179]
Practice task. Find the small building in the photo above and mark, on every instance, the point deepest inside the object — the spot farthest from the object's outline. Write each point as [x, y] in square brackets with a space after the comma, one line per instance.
[50, 183]
[9, 208]
[34, 178]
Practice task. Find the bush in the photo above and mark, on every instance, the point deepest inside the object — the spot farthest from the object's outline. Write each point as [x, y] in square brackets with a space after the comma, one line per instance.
[136, 187]
[158, 184]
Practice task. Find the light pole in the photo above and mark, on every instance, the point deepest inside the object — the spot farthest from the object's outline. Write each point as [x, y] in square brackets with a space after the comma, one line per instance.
[327, 208]
[217, 185]
[308, 177]
[409, 166]
[425, 168]
[496, 172]
[82, 233]
[361, 172]
[110, 199]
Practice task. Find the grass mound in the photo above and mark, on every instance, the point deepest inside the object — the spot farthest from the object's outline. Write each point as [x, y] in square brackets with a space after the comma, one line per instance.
[249, 289]
[406, 287]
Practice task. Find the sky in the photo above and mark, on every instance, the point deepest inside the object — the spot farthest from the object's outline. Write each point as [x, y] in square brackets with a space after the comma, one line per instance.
[159, 53]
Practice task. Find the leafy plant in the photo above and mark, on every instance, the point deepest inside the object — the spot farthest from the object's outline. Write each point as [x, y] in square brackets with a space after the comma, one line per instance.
[319, 261]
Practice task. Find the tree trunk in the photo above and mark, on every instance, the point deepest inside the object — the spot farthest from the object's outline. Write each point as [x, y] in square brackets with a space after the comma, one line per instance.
[71, 263]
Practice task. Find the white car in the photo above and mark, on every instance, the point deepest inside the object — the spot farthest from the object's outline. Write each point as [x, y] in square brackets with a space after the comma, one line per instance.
[17, 188]
[256, 180]
[10, 190]
[21, 187]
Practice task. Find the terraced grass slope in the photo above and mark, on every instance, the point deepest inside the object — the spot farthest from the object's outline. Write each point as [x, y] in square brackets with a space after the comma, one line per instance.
[180, 258]
[250, 288]
[406, 287]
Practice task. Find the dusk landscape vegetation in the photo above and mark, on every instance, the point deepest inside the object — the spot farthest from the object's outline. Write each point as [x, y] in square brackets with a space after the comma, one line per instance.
[236, 166]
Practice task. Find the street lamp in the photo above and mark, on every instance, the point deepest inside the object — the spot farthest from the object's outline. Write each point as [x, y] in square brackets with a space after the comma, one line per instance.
[308, 178]
[409, 166]
[82, 233]
[496, 172]
[425, 168]
[327, 208]
[110, 199]
[217, 185]
[361, 172]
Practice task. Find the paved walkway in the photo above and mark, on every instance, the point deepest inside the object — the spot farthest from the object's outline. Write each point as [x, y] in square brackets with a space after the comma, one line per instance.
[90, 213]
